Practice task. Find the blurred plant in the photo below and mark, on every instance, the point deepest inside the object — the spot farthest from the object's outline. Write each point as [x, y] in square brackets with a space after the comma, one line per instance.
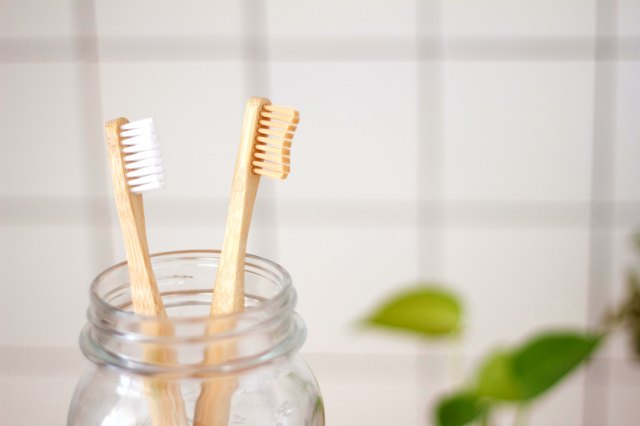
[627, 316]
[517, 376]
[514, 376]
[425, 310]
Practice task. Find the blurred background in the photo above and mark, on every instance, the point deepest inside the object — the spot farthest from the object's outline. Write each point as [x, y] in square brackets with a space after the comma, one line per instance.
[491, 145]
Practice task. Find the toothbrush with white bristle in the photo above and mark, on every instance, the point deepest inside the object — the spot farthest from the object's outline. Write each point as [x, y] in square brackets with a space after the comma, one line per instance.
[136, 168]
[143, 159]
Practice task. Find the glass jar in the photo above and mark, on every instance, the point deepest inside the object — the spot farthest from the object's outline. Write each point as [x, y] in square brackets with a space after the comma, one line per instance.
[260, 380]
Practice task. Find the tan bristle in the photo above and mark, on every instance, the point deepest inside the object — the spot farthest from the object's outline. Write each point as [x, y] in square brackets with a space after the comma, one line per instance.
[276, 128]
[280, 124]
[280, 109]
[272, 149]
[291, 118]
[280, 143]
[272, 158]
[283, 134]
[275, 167]
[271, 174]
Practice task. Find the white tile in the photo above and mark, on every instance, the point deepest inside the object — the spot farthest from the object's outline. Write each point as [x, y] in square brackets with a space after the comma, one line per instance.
[172, 238]
[168, 18]
[25, 361]
[28, 401]
[175, 238]
[627, 127]
[185, 230]
[38, 377]
[562, 406]
[354, 403]
[43, 152]
[340, 18]
[356, 138]
[628, 19]
[439, 375]
[44, 284]
[517, 282]
[518, 131]
[624, 388]
[525, 19]
[619, 344]
[624, 409]
[320, 213]
[193, 224]
[28, 18]
[198, 110]
[368, 390]
[340, 276]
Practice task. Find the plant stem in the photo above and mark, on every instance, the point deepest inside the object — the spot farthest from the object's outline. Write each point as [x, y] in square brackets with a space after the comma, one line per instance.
[455, 361]
[521, 415]
[484, 421]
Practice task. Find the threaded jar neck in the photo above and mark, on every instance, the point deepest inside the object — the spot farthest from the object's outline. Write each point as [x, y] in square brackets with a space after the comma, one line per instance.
[267, 329]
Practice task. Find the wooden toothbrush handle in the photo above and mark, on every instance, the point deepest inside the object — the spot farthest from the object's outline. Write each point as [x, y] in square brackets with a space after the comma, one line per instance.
[165, 401]
[214, 403]
[145, 295]
[228, 293]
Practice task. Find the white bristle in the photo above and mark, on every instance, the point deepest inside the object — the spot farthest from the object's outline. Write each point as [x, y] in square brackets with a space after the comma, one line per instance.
[143, 160]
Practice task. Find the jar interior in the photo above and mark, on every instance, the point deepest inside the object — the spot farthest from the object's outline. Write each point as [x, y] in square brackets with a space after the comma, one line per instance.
[265, 329]
[186, 281]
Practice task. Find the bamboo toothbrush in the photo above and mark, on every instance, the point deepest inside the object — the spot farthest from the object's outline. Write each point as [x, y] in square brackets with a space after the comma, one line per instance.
[267, 131]
[136, 167]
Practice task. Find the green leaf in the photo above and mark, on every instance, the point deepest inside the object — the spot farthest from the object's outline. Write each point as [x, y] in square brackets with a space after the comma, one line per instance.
[496, 378]
[535, 367]
[544, 360]
[459, 409]
[427, 311]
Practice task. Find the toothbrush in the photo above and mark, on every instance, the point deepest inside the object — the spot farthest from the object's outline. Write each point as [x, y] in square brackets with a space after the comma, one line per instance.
[265, 143]
[136, 168]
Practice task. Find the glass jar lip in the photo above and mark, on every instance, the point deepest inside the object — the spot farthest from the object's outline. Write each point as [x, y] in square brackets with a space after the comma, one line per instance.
[281, 299]
[265, 330]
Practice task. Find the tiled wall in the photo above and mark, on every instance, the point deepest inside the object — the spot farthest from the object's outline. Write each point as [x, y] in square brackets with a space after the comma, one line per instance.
[490, 144]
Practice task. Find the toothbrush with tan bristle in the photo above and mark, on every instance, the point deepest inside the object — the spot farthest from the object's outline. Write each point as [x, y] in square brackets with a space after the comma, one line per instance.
[136, 167]
[265, 142]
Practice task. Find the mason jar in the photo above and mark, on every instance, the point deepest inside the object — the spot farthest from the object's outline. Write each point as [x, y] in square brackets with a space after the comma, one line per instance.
[139, 376]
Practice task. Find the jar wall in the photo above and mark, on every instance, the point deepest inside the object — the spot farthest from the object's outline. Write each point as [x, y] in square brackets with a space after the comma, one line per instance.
[271, 384]
[281, 393]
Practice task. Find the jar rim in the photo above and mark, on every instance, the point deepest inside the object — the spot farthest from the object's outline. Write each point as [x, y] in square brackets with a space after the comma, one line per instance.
[273, 303]
[118, 337]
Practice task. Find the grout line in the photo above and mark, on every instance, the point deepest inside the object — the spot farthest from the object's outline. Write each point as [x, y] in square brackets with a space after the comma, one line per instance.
[332, 213]
[256, 59]
[90, 122]
[430, 147]
[25, 360]
[254, 49]
[595, 404]
[430, 215]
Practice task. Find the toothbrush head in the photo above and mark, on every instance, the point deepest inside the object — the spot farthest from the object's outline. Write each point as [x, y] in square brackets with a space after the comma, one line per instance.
[276, 125]
[141, 154]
